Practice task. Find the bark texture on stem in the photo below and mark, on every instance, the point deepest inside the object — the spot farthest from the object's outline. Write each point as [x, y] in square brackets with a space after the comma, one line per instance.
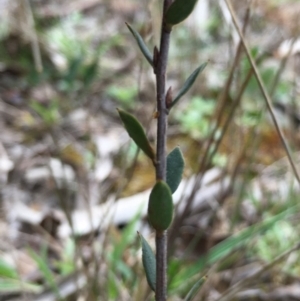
[161, 103]
[161, 266]
[160, 70]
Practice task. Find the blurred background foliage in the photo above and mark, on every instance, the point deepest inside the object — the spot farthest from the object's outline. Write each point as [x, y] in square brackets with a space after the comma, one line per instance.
[65, 67]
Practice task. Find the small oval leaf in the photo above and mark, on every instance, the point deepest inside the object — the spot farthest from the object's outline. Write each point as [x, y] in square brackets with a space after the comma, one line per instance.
[179, 10]
[160, 206]
[175, 166]
[149, 263]
[188, 83]
[195, 288]
[137, 133]
[142, 45]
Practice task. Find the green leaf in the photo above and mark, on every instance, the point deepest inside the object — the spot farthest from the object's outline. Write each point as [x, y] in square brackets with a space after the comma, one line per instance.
[160, 206]
[73, 69]
[116, 256]
[17, 286]
[175, 166]
[149, 263]
[7, 271]
[90, 73]
[124, 95]
[113, 286]
[46, 270]
[127, 238]
[188, 83]
[179, 10]
[143, 47]
[195, 288]
[137, 133]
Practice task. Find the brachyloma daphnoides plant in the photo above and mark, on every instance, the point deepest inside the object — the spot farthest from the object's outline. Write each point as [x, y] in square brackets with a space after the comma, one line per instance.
[168, 168]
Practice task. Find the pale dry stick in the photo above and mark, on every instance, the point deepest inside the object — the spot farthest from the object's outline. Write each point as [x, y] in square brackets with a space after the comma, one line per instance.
[226, 17]
[218, 116]
[34, 39]
[233, 108]
[91, 275]
[217, 142]
[225, 93]
[65, 209]
[281, 67]
[23, 292]
[263, 90]
[126, 175]
[206, 161]
[254, 135]
[295, 82]
[251, 144]
[60, 196]
[232, 291]
[208, 284]
[100, 258]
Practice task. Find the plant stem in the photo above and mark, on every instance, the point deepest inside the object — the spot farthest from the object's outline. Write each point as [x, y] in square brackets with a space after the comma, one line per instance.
[161, 266]
[162, 113]
[161, 103]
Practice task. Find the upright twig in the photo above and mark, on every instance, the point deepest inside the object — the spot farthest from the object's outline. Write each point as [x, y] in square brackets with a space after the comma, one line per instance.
[169, 169]
[162, 113]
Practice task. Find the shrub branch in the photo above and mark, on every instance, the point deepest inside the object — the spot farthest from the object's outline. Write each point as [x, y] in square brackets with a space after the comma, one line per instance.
[162, 113]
